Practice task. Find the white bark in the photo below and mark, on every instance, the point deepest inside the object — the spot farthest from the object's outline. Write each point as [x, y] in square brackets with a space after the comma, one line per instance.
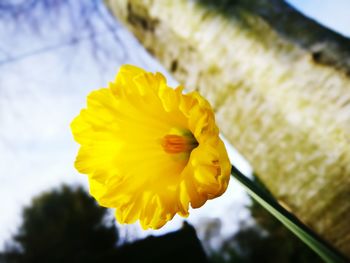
[283, 102]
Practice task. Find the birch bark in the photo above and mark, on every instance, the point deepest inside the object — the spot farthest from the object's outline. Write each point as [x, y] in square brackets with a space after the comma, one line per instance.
[280, 86]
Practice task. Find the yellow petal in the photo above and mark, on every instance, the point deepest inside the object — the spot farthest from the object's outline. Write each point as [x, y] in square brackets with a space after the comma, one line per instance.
[148, 150]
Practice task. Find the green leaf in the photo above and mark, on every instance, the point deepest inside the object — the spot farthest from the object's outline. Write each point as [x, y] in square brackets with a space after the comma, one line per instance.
[322, 248]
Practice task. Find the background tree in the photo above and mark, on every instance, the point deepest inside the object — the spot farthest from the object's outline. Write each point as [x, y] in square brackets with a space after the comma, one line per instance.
[265, 240]
[279, 83]
[260, 239]
[64, 225]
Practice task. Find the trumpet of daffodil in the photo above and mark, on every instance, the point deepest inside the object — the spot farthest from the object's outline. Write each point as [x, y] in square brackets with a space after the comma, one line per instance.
[149, 150]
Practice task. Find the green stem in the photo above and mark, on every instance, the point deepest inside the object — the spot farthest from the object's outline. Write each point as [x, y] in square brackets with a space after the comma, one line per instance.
[323, 249]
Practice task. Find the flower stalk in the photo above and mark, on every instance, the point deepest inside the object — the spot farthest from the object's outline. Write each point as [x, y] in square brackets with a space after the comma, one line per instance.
[311, 239]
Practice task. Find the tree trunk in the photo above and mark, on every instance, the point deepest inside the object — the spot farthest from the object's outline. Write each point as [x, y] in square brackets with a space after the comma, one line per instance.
[280, 86]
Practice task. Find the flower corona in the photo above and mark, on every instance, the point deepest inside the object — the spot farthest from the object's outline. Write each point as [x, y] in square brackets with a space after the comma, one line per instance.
[149, 150]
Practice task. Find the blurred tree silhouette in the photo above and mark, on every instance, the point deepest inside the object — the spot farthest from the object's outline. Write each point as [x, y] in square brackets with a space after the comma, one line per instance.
[266, 241]
[65, 225]
[263, 240]
[182, 246]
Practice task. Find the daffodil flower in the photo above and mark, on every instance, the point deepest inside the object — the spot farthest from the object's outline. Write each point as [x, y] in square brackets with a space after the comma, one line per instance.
[149, 150]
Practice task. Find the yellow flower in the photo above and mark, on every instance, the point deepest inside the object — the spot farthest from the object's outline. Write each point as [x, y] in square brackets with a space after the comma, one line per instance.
[148, 150]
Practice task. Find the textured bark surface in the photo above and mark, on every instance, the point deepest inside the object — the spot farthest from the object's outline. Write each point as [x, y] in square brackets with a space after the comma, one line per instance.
[279, 85]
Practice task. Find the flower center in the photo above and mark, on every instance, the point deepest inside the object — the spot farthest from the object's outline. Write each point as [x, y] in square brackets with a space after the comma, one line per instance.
[173, 143]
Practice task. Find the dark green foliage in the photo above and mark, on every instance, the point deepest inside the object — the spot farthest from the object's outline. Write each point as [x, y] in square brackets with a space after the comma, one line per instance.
[267, 241]
[65, 225]
[180, 246]
[263, 240]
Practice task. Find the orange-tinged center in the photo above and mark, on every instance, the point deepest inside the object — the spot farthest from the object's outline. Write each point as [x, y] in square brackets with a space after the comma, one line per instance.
[173, 143]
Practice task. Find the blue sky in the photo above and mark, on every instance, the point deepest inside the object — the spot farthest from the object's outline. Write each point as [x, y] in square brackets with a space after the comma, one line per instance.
[334, 14]
[40, 95]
